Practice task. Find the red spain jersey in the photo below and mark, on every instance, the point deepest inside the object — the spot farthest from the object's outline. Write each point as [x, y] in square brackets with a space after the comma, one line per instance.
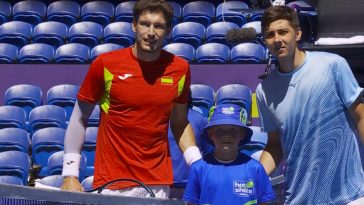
[136, 99]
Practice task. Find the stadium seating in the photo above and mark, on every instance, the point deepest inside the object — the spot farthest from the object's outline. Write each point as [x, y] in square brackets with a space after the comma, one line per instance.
[103, 48]
[5, 11]
[36, 53]
[93, 120]
[119, 33]
[203, 98]
[89, 148]
[300, 6]
[52, 181]
[8, 53]
[51, 32]
[47, 116]
[257, 143]
[15, 163]
[12, 116]
[72, 53]
[256, 25]
[67, 12]
[124, 11]
[87, 183]
[86, 32]
[4, 179]
[189, 32]
[236, 94]
[30, 11]
[183, 50]
[199, 11]
[55, 165]
[15, 139]
[64, 96]
[45, 142]
[248, 53]
[25, 96]
[216, 32]
[17, 33]
[177, 11]
[216, 53]
[224, 12]
[100, 12]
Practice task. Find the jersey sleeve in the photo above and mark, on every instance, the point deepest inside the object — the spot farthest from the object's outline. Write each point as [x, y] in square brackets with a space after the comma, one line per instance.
[265, 116]
[348, 88]
[184, 87]
[93, 85]
[265, 192]
[193, 189]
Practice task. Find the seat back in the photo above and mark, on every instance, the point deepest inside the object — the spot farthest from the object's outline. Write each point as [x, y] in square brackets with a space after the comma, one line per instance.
[52, 181]
[213, 53]
[104, 48]
[189, 32]
[119, 33]
[15, 139]
[248, 53]
[25, 96]
[12, 116]
[47, 116]
[5, 179]
[64, 96]
[93, 120]
[86, 32]
[72, 53]
[30, 11]
[8, 53]
[100, 12]
[177, 12]
[87, 183]
[124, 11]
[184, 50]
[237, 94]
[216, 32]
[64, 11]
[15, 163]
[36, 53]
[17, 33]
[5, 11]
[51, 32]
[199, 11]
[203, 98]
[55, 165]
[89, 148]
[258, 29]
[225, 13]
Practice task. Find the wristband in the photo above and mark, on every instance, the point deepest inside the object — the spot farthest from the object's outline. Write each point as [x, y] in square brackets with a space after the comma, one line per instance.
[71, 164]
[192, 154]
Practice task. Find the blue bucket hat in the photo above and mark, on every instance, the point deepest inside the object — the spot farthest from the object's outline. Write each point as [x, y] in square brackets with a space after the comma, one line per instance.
[229, 114]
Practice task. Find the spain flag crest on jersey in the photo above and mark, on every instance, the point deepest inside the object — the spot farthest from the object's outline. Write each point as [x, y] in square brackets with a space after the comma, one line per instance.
[166, 80]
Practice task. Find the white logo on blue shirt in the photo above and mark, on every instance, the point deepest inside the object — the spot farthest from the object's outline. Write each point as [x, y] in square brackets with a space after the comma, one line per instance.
[243, 188]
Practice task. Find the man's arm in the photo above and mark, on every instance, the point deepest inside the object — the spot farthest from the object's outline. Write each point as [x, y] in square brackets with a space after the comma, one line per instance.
[73, 142]
[357, 112]
[272, 154]
[183, 133]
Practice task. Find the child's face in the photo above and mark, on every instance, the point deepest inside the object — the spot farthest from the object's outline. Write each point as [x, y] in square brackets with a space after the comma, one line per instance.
[226, 136]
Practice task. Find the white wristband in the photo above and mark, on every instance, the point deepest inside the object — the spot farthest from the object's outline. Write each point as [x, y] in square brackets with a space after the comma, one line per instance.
[192, 154]
[71, 164]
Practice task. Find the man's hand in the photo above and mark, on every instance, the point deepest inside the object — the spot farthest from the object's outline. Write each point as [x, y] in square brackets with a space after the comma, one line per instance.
[71, 183]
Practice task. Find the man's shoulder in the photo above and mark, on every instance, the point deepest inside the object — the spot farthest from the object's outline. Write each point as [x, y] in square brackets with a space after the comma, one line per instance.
[323, 56]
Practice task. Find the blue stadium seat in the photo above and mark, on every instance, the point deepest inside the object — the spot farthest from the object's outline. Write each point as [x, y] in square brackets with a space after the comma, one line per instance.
[72, 53]
[93, 120]
[12, 116]
[52, 181]
[124, 11]
[15, 139]
[89, 148]
[55, 165]
[119, 33]
[16, 32]
[100, 12]
[183, 50]
[8, 53]
[199, 11]
[104, 48]
[177, 11]
[203, 98]
[4, 179]
[213, 53]
[238, 94]
[25, 96]
[216, 32]
[86, 32]
[87, 183]
[224, 12]
[257, 143]
[36, 53]
[47, 116]
[30, 11]
[64, 96]
[51, 32]
[248, 53]
[254, 15]
[300, 6]
[67, 12]
[15, 163]
[256, 25]
[189, 32]
[45, 142]
[5, 11]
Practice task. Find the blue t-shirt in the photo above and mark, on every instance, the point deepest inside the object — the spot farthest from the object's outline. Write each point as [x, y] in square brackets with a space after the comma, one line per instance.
[309, 106]
[240, 182]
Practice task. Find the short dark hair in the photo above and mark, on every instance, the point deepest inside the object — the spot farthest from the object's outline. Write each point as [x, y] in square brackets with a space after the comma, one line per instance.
[275, 13]
[154, 6]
